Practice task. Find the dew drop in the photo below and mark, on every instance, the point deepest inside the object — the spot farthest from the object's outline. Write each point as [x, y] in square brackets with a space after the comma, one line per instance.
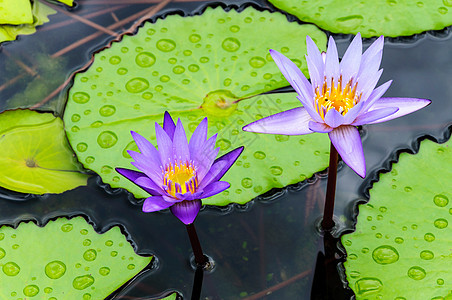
[276, 170]
[281, 138]
[145, 59]
[131, 266]
[130, 146]
[248, 20]
[194, 38]
[204, 59]
[107, 139]
[187, 52]
[442, 10]
[107, 110]
[122, 71]
[193, 68]
[86, 296]
[104, 271]
[440, 281]
[90, 255]
[55, 269]
[416, 273]
[82, 147]
[166, 45]
[234, 28]
[178, 70]
[66, 227]
[227, 82]
[257, 62]
[82, 282]
[48, 290]
[137, 85]
[247, 182]
[408, 189]
[75, 118]
[420, 4]
[86, 242]
[398, 240]
[385, 255]
[31, 290]
[223, 144]
[80, 97]
[349, 22]
[230, 44]
[11, 269]
[113, 253]
[427, 255]
[114, 60]
[440, 223]
[83, 232]
[447, 3]
[355, 274]
[109, 243]
[368, 285]
[429, 237]
[2, 253]
[441, 200]
[89, 160]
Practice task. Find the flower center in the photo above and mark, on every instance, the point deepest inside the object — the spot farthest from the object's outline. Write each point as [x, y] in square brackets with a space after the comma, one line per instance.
[340, 98]
[180, 177]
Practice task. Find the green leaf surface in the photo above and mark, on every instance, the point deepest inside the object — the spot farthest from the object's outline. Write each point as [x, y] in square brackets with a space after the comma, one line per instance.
[15, 12]
[36, 157]
[401, 248]
[67, 2]
[203, 70]
[40, 16]
[372, 17]
[66, 259]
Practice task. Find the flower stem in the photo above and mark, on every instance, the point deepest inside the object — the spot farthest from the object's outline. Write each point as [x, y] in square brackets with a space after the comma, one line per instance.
[327, 222]
[200, 258]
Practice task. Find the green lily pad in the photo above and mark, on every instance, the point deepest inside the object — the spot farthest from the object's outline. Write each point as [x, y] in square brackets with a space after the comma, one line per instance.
[40, 16]
[36, 157]
[173, 296]
[15, 12]
[67, 2]
[203, 70]
[401, 248]
[372, 17]
[66, 259]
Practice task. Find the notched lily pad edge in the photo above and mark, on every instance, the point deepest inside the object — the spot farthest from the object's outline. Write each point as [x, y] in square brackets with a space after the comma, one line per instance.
[151, 267]
[368, 183]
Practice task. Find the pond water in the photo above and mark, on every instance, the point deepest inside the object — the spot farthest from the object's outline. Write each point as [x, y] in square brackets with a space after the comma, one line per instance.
[267, 249]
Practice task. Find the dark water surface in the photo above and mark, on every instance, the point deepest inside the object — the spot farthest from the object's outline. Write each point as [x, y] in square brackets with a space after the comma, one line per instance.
[268, 248]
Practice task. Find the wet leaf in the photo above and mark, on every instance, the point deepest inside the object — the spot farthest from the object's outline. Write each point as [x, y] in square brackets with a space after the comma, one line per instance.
[201, 71]
[36, 157]
[66, 259]
[370, 17]
[15, 12]
[40, 16]
[401, 246]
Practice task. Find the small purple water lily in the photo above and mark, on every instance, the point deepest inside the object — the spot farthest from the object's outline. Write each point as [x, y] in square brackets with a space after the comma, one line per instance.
[179, 174]
[340, 97]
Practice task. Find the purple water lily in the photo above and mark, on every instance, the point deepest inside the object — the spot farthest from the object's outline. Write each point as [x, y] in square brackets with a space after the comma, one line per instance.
[179, 174]
[340, 97]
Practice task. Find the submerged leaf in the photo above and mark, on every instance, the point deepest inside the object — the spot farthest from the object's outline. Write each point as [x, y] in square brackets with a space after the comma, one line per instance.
[401, 246]
[35, 155]
[66, 259]
[372, 17]
[211, 68]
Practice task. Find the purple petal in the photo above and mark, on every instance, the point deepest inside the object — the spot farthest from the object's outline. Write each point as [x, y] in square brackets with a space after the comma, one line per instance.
[186, 211]
[333, 118]
[189, 196]
[155, 203]
[134, 175]
[405, 106]
[375, 95]
[315, 62]
[351, 115]
[311, 111]
[331, 62]
[168, 125]
[352, 59]
[198, 138]
[319, 127]
[368, 88]
[373, 50]
[215, 188]
[374, 115]
[206, 156]
[368, 73]
[148, 185]
[180, 144]
[348, 144]
[165, 144]
[146, 148]
[220, 167]
[290, 122]
[293, 75]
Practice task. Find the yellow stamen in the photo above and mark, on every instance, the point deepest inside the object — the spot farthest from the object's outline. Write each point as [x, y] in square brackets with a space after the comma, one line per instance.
[341, 99]
[180, 177]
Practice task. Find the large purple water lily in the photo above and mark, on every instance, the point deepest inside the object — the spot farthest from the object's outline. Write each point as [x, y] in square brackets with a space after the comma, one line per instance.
[340, 97]
[179, 173]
